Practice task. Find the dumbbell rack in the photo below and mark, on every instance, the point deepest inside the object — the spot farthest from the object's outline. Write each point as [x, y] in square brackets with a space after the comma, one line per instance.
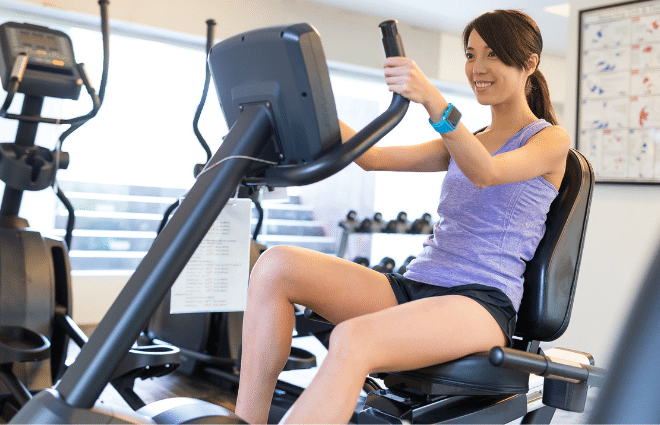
[395, 245]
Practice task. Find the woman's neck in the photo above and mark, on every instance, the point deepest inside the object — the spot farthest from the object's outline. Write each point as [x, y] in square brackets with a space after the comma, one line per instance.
[511, 116]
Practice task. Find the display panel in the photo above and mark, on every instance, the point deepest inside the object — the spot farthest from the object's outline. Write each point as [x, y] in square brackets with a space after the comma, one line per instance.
[618, 111]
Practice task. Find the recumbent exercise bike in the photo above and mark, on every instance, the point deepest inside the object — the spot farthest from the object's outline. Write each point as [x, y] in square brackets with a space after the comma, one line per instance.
[275, 92]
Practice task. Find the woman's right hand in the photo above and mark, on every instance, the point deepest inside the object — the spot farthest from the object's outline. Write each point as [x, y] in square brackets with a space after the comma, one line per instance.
[404, 77]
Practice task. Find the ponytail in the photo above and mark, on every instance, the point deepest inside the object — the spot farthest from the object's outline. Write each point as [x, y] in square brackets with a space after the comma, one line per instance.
[538, 97]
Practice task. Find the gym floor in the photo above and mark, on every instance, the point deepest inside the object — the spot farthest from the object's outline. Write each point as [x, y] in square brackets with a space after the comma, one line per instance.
[210, 389]
[175, 384]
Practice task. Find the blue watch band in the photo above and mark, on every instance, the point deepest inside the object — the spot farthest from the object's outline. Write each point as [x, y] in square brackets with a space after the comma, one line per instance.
[446, 125]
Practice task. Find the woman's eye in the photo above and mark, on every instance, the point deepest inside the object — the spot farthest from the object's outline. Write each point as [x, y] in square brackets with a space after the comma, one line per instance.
[469, 56]
[492, 55]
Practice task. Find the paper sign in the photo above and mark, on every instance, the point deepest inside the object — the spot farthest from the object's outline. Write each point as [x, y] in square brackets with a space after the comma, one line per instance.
[216, 277]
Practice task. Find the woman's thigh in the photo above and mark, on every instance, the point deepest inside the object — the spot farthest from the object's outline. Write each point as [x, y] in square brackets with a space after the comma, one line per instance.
[333, 287]
[419, 334]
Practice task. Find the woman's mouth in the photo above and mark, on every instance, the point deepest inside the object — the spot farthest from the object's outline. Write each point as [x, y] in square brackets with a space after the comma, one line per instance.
[483, 84]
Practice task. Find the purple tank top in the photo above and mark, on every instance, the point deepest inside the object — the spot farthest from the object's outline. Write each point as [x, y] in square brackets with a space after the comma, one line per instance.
[485, 235]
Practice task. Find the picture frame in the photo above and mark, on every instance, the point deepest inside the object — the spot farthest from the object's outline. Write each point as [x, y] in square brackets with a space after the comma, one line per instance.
[618, 93]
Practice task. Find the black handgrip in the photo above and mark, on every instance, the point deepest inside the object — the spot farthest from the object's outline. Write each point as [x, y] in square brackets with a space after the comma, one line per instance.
[537, 364]
[391, 39]
[210, 33]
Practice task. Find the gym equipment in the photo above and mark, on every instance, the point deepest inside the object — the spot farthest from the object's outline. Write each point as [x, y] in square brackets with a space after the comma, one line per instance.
[400, 225]
[378, 224]
[350, 225]
[351, 222]
[210, 343]
[271, 105]
[421, 225]
[363, 261]
[403, 267]
[364, 227]
[35, 278]
[35, 324]
[470, 388]
[495, 386]
[386, 265]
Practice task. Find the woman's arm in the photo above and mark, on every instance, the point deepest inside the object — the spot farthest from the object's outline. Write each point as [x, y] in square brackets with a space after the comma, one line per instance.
[429, 156]
[543, 155]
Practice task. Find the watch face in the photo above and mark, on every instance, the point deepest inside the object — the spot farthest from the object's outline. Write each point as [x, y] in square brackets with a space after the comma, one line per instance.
[454, 117]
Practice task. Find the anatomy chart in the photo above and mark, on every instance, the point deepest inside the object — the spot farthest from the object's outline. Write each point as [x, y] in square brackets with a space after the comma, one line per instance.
[619, 91]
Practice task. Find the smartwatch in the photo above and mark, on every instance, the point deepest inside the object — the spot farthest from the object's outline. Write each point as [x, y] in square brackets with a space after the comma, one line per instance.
[449, 120]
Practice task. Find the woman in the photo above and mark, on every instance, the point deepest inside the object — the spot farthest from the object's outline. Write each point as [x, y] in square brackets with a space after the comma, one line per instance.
[461, 294]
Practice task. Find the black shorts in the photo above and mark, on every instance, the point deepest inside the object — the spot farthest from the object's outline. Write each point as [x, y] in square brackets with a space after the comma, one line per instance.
[492, 299]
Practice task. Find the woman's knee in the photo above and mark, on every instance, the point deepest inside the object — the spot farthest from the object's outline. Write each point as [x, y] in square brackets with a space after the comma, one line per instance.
[350, 343]
[270, 269]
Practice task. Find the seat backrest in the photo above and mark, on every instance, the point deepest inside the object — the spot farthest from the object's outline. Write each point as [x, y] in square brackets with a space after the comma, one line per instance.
[551, 276]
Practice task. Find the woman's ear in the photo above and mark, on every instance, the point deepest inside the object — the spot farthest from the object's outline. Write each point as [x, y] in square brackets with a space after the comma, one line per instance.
[532, 63]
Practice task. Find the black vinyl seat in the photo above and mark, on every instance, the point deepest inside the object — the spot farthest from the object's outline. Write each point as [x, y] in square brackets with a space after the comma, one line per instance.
[550, 284]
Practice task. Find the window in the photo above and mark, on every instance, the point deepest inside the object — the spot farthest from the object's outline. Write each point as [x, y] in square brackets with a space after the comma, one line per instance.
[135, 157]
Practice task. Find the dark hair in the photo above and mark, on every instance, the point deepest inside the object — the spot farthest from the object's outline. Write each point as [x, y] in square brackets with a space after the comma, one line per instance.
[514, 37]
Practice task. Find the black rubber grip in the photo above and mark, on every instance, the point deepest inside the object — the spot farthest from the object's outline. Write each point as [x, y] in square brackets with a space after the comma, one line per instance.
[535, 363]
[391, 39]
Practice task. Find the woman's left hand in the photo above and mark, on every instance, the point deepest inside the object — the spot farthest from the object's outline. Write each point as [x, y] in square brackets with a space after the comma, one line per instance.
[404, 77]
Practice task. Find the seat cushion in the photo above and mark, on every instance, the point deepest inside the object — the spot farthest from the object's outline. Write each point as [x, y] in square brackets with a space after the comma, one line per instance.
[470, 375]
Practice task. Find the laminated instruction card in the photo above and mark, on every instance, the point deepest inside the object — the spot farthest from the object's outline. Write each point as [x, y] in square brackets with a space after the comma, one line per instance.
[216, 277]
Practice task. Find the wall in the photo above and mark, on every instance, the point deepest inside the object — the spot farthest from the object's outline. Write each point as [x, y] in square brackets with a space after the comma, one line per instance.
[622, 235]
[347, 37]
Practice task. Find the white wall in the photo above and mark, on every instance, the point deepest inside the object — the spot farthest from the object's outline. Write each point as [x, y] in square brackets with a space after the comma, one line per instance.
[622, 235]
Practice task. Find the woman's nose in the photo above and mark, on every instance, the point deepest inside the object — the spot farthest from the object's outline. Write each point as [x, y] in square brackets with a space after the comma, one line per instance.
[479, 66]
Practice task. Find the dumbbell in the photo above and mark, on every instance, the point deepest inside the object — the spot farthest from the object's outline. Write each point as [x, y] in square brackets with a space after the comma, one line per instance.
[351, 222]
[363, 261]
[422, 225]
[400, 225]
[404, 266]
[378, 224]
[364, 227]
[386, 265]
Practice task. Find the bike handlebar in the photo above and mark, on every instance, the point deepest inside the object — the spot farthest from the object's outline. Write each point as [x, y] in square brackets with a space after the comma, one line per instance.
[341, 155]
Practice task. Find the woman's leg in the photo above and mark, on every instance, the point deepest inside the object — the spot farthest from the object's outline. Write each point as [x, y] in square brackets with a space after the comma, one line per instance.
[335, 288]
[409, 336]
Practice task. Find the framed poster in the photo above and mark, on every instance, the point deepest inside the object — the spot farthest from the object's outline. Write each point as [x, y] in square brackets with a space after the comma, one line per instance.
[618, 110]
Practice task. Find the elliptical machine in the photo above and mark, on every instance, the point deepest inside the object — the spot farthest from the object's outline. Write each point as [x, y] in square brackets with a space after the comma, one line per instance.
[35, 277]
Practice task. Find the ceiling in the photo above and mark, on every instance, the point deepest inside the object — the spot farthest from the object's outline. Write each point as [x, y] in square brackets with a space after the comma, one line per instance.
[452, 15]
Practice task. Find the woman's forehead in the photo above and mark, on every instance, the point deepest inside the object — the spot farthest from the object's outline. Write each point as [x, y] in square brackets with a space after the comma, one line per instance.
[475, 40]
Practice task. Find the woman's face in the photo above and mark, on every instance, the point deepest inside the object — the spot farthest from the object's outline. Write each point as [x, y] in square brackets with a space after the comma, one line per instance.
[492, 81]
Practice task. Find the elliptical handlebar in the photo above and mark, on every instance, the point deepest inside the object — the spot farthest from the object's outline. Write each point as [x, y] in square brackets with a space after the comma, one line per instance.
[341, 155]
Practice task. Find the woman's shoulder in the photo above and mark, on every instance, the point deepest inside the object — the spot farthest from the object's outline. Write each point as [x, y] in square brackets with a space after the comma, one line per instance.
[552, 134]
